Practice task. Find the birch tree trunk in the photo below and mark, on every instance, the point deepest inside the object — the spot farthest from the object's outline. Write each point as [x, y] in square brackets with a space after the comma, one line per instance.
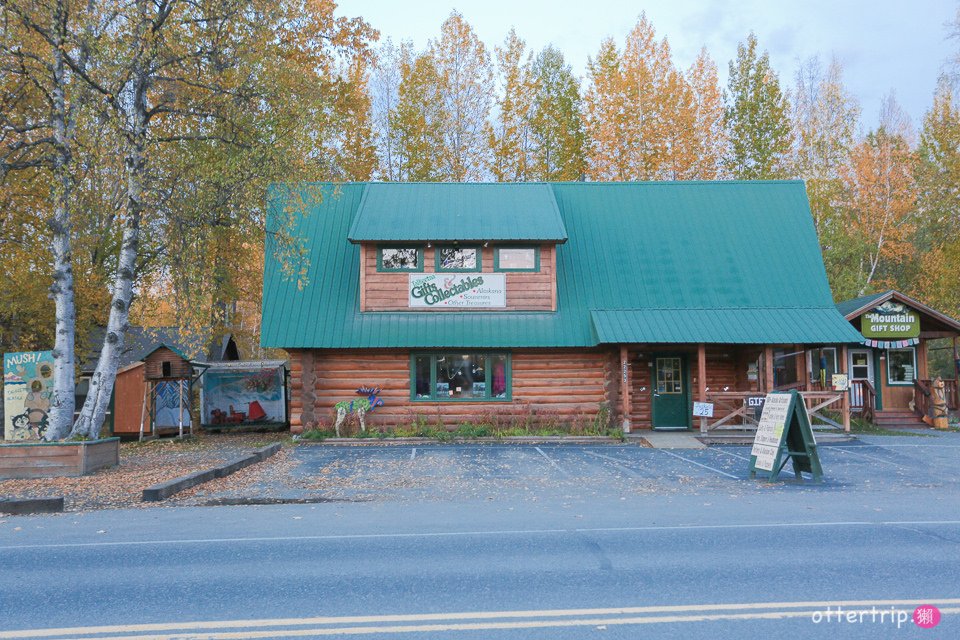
[63, 401]
[93, 414]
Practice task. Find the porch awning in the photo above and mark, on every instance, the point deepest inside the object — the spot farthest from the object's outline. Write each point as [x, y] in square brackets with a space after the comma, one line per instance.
[724, 326]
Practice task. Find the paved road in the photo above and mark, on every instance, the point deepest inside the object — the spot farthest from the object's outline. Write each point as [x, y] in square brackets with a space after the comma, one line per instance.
[717, 557]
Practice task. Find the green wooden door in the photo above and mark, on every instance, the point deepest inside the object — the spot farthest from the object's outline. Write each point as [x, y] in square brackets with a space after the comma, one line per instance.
[670, 392]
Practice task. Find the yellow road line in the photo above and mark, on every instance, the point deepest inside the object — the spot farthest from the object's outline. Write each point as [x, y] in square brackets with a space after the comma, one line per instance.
[703, 609]
[484, 626]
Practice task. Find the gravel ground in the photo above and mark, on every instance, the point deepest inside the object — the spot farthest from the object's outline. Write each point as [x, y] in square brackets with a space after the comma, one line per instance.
[141, 465]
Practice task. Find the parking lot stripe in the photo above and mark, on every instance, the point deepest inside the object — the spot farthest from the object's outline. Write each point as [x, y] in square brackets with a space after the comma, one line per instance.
[723, 473]
[735, 455]
[620, 463]
[413, 453]
[862, 455]
[551, 461]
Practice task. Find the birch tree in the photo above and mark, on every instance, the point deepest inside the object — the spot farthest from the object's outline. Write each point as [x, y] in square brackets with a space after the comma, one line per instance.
[466, 90]
[509, 136]
[42, 99]
[880, 198]
[708, 132]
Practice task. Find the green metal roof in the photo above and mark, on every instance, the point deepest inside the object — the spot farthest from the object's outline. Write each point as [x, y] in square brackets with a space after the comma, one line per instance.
[412, 212]
[724, 326]
[706, 253]
[849, 306]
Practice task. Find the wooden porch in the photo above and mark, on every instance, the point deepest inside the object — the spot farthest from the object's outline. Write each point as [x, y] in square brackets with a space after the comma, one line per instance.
[734, 379]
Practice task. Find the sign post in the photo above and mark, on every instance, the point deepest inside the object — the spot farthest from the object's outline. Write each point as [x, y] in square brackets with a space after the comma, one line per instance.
[784, 433]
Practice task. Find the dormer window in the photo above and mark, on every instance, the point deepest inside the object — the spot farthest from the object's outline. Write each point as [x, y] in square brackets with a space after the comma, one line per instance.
[457, 258]
[398, 258]
[516, 259]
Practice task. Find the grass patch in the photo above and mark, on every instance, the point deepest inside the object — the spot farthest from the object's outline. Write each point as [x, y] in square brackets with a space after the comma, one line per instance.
[860, 426]
[495, 425]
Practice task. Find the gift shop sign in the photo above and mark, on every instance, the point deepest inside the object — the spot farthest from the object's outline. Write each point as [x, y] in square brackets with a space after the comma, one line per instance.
[890, 320]
[457, 291]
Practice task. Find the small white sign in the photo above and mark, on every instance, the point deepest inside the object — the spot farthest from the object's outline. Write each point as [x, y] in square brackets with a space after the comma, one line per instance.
[773, 421]
[457, 290]
[840, 382]
[703, 409]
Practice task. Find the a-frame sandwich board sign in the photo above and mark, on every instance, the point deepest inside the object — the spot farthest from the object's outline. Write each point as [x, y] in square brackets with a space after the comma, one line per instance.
[784, 433]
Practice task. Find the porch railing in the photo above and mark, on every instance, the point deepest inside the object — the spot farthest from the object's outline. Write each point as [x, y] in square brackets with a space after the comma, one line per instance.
[732, 410]
[863, 399]
[922, 400]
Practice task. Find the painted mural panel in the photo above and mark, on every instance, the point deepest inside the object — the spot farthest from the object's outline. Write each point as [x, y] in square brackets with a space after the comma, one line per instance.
[27, 394]
[234, 396]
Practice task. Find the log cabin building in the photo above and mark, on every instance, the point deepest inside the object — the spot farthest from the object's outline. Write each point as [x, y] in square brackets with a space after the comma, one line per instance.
[890, 372]
[558, 302]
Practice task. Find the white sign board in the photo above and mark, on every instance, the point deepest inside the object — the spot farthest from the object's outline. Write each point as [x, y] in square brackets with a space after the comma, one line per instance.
[703, 409]
[772, 423]
[457, 291]
[840, 382]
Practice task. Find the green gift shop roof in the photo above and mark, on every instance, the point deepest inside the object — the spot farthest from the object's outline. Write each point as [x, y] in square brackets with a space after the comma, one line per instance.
[419, 211]
[645, 262]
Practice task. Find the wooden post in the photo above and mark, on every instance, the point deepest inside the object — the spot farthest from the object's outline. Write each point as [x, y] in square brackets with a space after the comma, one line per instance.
[923, 369]
[180, 411]
[956, 358]
[845, 403]
[768, 369]
[802, 371]
[702, 380]
[143, 407]
[625, 381]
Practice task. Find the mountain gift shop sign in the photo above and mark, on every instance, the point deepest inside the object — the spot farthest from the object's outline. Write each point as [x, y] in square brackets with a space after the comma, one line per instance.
[890, 320]
[457, 291]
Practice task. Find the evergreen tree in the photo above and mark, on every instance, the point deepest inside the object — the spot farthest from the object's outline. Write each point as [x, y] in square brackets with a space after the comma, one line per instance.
[757, 119]
[556, 120]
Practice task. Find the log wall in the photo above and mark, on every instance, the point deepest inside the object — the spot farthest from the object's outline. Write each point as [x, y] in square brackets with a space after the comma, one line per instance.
[547, 386]
[179, 368]
[525, 291]
[726, 367]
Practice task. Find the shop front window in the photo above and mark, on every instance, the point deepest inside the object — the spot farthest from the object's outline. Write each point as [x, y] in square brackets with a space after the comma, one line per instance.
[901, 366]
[400, 259]
[458, 259]
[461, 376]
[517, 259]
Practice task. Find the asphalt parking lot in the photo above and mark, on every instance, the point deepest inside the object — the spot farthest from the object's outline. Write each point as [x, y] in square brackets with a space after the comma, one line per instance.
[463, 472]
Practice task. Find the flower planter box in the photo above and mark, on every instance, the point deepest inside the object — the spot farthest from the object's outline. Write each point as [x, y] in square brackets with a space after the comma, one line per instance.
[52, 459]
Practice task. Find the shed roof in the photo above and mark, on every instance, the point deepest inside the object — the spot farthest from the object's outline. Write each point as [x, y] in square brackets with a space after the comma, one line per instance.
[708, 253]
[409, 212]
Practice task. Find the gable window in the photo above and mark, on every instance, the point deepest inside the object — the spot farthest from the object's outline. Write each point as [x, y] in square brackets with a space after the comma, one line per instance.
[473, 376]
[901, 366]
[458, 259]
[516, 259]
[399, 259]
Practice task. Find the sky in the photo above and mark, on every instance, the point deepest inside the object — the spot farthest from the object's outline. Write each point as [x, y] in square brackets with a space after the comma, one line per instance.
[884, 45]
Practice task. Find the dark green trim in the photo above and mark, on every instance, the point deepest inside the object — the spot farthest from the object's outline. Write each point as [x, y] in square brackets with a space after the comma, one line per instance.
[433, 376]
[476, 247]
[536, 253]
[399, 245]
[877, 379]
